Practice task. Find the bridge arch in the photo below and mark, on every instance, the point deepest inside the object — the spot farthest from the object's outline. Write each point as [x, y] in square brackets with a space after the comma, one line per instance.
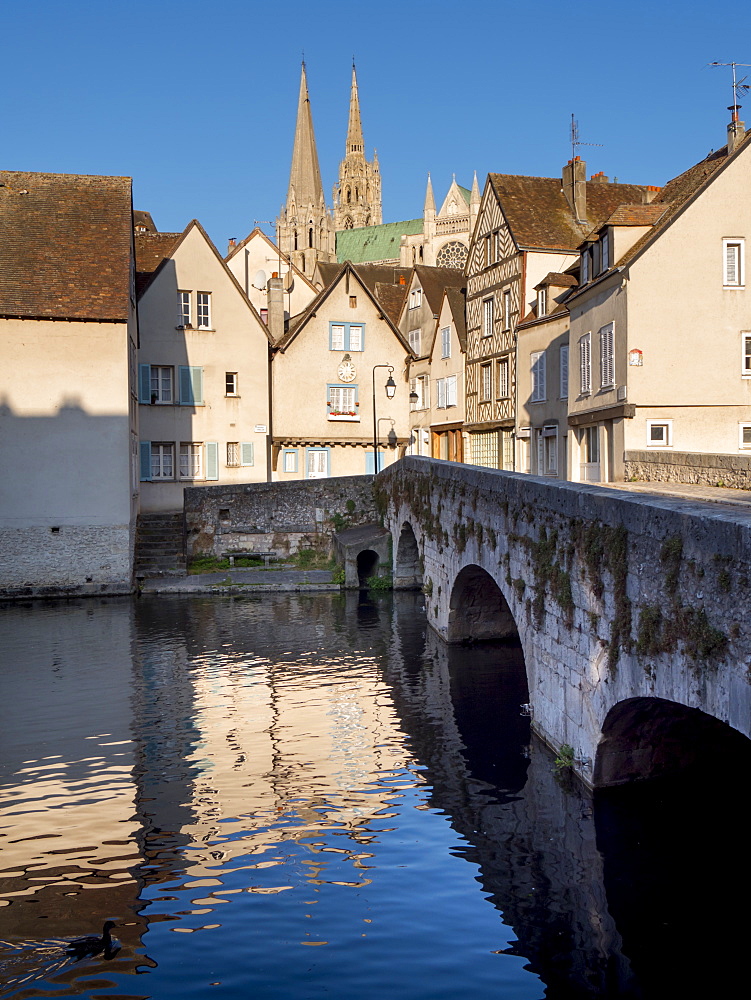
[408, 565]
[649, 738]
[477, 608]
[367, 566]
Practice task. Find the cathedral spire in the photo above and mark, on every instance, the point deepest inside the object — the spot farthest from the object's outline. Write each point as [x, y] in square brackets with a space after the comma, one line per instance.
[305, 186]
[355, 142]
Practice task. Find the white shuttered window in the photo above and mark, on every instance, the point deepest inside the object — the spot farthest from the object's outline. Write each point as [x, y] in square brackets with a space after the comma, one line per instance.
[607, 362]
[537, 359]
[585, 363]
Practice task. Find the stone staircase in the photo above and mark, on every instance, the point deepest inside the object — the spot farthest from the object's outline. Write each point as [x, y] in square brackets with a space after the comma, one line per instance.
[160, 545]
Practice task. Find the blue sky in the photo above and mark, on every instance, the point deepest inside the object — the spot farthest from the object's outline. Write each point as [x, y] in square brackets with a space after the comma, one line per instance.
[196, 101]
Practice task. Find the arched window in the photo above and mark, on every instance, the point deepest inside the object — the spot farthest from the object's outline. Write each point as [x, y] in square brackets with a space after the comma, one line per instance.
[348, 223]
[310, 237]
[295, 239]
[349, 196]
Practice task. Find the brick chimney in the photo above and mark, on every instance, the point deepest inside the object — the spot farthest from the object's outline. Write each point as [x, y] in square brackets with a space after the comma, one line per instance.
[736, 128]
[231, 245]
[275, 300]
[575, 187]
[600, 178]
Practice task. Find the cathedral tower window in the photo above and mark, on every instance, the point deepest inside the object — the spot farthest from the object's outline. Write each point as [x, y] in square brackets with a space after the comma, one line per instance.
[310, 237]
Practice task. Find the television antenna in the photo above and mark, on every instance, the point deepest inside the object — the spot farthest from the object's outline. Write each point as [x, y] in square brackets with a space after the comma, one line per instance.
[740, 87]
[575, 140]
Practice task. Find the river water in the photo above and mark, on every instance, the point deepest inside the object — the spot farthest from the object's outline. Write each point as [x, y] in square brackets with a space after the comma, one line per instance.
[310, 796]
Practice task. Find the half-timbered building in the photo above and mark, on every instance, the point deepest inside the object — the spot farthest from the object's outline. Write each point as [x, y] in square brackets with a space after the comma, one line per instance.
[527, 227]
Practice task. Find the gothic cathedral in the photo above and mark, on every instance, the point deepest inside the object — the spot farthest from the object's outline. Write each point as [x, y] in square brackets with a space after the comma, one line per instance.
[306, 229]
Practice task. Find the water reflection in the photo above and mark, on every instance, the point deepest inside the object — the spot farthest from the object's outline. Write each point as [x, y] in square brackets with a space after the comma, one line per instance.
[311, 795]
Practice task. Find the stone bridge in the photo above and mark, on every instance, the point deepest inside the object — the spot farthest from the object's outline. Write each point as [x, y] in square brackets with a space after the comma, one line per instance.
[631, 609]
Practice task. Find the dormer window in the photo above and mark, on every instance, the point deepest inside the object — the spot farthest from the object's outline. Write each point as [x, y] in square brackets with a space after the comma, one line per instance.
[585, 266]
[604, 251]
[415, 298]
[542, 302]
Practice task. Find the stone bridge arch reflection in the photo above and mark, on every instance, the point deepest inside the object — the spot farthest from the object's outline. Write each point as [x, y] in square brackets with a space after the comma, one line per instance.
[408, 566]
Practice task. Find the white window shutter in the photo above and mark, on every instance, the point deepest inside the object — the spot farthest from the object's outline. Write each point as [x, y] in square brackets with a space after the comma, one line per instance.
[246, 453]
[212, 460]
[451, 390]
[541, 377]
[564, 372]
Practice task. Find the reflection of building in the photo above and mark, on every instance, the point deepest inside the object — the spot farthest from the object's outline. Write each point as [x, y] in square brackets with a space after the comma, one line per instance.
[68, 440]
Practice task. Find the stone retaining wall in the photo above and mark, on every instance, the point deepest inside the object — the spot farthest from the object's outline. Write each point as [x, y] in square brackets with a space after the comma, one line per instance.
[275, 517]
[733, 471]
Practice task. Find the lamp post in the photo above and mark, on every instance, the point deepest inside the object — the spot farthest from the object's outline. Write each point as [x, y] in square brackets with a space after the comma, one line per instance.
[390, 388]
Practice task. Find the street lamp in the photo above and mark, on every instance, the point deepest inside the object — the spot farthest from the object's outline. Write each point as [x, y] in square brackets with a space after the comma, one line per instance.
[390, 388]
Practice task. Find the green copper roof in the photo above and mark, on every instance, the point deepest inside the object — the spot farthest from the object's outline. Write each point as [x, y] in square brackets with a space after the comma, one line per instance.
[372, 243]
[466, 192]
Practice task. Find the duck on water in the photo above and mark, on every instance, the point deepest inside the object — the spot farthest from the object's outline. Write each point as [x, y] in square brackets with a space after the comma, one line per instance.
[91, 944]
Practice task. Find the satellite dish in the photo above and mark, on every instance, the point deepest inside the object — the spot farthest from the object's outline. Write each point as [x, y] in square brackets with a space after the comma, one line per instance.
[289, 281]
[260, 280]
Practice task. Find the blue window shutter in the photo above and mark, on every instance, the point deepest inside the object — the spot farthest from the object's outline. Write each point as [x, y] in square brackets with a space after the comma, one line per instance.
[212, 460]
[144, 384]
[191, 386]
[370, 462]
[246, 453]
[144, 450]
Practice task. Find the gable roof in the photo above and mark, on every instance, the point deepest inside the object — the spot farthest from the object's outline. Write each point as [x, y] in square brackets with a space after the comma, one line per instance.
[373, 243]
[297, 323]
[434, 280]
[66, 243]
[538, 213]
[636, 215]
[457, 302]
[259, 233]
[144, 220]
[157, 248]
[388, 283]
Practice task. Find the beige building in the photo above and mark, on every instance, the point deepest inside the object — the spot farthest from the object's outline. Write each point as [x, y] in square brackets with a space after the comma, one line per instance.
[542, 380]
[661, 326]
[527, 228]
[328, 371]
[417, 322]
[203, 371]
[254, 261]
[446, 357]
[68, 409]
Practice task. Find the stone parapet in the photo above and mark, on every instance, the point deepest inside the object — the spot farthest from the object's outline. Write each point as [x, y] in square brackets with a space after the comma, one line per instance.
[733, 471]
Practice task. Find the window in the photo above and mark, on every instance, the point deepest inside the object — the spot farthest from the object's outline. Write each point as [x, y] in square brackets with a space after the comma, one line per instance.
[585, 266]
[346, 336]
[550, 450]
[604, 251]
[733, 265]
[487, 317]
[353, 302]
[230, 383]
[537, 360]
[183, 309]
[486, 382]
[342, 402]
[607, 364]
[289, 460]
[503, 379]
[507, 310]
[239, 453]
[233, 454]
[498, 247]
[585, 364]
[421, 386]
[563, 372]
[414, 341]
[161, 384]
[542, 302]
[451, 390]
[488, 249]
[446, 342]
[659, 434]
[162, 460]
[440, 393]
[746, 355]
[317, 465]
[190, 461]
[203, 311]
[415, 298]
[744, 436]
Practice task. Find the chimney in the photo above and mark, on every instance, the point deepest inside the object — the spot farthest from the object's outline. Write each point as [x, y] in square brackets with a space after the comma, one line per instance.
[231, 245]
[275, 300]
[600, 178]
[736, 128]
[575, 187]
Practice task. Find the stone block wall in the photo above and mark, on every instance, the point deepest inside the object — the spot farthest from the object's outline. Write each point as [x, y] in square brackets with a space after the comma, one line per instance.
[615, 595]
[73, 560]
[733, 471]
[275, 517]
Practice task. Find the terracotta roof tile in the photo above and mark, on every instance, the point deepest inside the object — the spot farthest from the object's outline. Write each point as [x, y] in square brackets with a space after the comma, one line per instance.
[65, 246]
[636, 215]
[433, 281]
[539, 215]
[151, 250]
